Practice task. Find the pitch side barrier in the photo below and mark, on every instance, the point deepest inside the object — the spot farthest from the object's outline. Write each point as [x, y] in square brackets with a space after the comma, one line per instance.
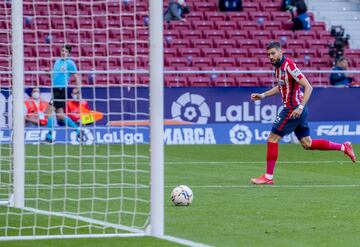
[198, 115]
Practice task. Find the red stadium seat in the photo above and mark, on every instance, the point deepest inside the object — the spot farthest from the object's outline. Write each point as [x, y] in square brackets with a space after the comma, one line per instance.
[29, 36]
[212, 52]
[242, 52]
[214, 34]
[118, 34]
[259, 34]
[142, 34]
[257, 52]
[224, 81]
[265, 63]
[295, 44]
[248, 43]
[323, 34]
[269, 6]
[177, 61]
[319, 80]
[318, 26]
[100, 36]
[201, 61]
[176, 81]
[280, 16]
[215, 16]
[203, 25]
[305, 34]
[86, 64]
[267, 81]
[317, 43]
[247, 62]
[243, 81]
[224, 43]
[251, 7]
[320, 62]
[201, 43]
[178, 43]
[278, 34]
[178, 25]
[306, 52]
[237, 16]
[237, 34]
[191, 34]
[224, 62]
[254, 16]
[195, 16]
[249, 25]
[205, 6]
[226, 25]
[300, 62]
[186, 52]
[171, 52]
[323, 52]
[187, 68]
[174, 34]
[352, 53]
[258, 75]
[200, 82]
[289, 52]
[272, 25]
[212, 68]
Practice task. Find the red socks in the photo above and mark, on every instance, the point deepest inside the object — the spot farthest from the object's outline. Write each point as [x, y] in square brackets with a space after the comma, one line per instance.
[272, 153]
[271, 157]
[325, 145]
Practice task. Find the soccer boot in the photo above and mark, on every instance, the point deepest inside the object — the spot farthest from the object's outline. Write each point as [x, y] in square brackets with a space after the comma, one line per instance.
[262, 180]
[349, 151]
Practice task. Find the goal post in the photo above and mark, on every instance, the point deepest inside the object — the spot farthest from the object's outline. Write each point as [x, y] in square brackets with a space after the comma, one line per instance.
[157, 119]
[18, 105]
[112, 182]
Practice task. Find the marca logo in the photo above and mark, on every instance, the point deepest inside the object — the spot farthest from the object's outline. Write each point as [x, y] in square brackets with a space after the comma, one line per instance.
[338, 130]
[189, 136]
[190, 107]
[240, 134]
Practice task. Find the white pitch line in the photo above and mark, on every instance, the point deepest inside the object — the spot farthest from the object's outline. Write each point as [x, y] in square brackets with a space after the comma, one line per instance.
[182, 241]
[278, 186]
[201, 163]
[254, 162]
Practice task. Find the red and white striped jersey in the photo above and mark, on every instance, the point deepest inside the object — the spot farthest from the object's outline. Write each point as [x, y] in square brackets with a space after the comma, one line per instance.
[287, 77]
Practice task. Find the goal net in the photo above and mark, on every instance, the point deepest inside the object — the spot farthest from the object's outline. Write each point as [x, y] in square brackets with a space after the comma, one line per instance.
[92, 178]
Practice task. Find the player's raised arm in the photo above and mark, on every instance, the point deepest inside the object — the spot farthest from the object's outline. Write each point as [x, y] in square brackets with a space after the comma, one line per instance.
[271, 92]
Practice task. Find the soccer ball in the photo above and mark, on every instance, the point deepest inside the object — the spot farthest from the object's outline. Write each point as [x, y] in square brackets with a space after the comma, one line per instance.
[182, 195]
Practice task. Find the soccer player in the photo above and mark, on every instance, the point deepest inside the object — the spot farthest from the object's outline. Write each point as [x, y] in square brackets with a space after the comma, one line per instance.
[293, 116]
[64, 68]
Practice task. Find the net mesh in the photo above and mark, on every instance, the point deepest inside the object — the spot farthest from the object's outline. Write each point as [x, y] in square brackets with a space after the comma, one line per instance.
[98, 185]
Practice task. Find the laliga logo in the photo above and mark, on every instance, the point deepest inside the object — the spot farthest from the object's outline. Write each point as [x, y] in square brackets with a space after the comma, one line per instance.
[89, 137]
[190, 107]
[240, 134]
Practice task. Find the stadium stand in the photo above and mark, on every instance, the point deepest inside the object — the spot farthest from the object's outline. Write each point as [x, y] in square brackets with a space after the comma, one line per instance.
[209, 38]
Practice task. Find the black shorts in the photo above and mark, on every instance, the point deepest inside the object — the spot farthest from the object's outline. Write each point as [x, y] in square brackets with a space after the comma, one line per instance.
[59, 97]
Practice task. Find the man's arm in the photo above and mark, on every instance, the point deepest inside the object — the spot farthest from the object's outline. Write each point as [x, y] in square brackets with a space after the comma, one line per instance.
[307, 93]
[271, 92]
[307, 90]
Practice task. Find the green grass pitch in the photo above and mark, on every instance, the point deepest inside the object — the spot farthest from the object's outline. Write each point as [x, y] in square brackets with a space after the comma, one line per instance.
[315, 200]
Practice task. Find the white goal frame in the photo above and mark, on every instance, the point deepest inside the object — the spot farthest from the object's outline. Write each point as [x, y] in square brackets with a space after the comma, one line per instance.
[17, 198]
